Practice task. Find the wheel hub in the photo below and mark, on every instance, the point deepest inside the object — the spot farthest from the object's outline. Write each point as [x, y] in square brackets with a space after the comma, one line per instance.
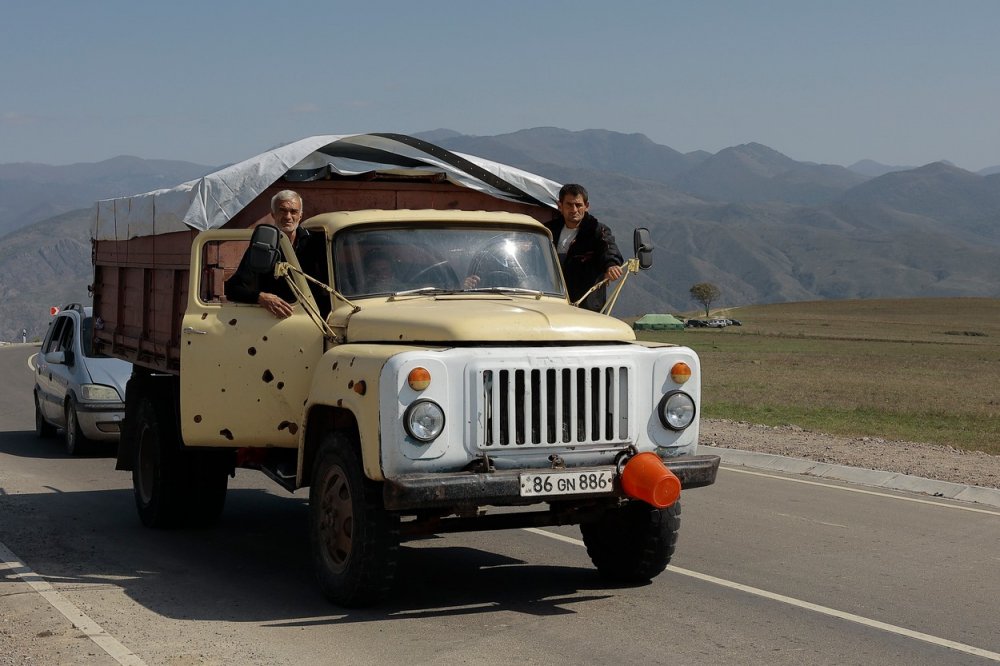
[337, 521]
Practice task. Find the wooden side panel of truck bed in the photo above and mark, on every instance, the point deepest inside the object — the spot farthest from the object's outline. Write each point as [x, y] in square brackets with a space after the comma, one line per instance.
[141, 285]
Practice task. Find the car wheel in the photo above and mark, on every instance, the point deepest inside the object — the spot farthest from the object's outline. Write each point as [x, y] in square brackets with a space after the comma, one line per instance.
[633, 543]
[75, 440]
[354, 540]
[43, 428]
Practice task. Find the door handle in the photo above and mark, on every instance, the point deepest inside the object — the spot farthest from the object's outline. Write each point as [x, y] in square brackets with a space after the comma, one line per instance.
[194, 331]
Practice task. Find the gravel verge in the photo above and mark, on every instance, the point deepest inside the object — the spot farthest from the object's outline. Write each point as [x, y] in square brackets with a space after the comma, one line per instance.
[930, 461]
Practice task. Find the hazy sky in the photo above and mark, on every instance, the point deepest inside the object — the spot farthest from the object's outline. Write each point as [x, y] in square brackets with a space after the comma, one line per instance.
[902, 82]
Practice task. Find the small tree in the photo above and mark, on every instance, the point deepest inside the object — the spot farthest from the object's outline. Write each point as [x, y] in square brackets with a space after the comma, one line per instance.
[705, 293]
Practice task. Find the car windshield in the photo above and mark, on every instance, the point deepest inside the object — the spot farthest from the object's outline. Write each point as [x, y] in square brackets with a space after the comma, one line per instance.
[87, 338]
[386, 260]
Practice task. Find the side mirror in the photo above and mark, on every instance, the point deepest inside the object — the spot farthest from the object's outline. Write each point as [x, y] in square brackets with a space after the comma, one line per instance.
[56, 358]
[263, 250]
[643, 247]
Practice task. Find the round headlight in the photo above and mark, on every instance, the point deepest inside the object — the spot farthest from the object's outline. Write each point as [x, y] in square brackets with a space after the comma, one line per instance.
[424, 420]
[676, 410]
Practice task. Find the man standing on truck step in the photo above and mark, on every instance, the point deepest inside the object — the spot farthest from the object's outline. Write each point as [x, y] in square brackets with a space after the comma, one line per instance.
[273, 294]
[586, 248]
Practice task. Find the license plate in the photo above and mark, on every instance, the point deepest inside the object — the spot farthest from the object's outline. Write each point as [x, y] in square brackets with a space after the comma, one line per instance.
[583, 482]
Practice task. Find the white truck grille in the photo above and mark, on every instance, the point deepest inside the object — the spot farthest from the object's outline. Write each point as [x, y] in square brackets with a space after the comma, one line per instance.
[538, 407]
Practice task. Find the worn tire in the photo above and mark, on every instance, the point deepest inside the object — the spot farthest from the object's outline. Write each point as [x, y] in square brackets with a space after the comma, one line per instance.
[633, 543]
[172, 487]
[43, 429]
[75, 442]
[156, 472]
[354, 540]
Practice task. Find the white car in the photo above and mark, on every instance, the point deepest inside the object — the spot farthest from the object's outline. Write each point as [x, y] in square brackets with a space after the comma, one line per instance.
[84, 395]
[717, 323]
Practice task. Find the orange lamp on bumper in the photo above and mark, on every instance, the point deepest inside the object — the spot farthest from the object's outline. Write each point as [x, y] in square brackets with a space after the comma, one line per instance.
[646, 478]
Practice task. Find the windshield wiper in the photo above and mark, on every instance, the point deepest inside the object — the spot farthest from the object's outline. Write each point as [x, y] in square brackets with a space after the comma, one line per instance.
[425, 290]
[506, 290]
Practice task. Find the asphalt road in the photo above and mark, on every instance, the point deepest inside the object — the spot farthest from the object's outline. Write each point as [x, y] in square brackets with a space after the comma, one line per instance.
[770, 569]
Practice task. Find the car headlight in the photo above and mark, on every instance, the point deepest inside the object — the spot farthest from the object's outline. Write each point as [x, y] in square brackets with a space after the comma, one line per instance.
[97, 392]
[424, 420]
[676, 410]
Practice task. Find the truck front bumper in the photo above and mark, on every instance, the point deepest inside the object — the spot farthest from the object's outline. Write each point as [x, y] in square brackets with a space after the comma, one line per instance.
[502, 488]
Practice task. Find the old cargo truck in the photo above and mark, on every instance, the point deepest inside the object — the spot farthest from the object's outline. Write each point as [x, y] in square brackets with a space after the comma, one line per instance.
[411, 405]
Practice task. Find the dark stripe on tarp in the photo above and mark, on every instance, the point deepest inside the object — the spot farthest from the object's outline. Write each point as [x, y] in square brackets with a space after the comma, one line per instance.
[353, 151]
[463, 164]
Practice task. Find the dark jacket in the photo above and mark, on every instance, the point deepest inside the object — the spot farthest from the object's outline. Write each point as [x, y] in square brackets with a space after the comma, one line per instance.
[593, 251]
[245, 286]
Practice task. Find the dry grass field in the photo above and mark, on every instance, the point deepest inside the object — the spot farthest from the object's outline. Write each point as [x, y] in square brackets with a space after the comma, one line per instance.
[921, 370]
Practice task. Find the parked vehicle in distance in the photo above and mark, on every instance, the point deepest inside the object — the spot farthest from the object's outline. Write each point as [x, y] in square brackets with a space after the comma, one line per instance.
[717, 323]
[735, 322]
[82, 393]
[695, 323]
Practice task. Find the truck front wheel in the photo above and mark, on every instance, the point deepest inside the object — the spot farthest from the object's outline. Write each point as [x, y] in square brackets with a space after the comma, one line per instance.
[633, 543]
[354, 540]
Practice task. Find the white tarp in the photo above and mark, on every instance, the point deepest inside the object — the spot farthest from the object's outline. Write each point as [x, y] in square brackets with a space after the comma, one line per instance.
[211, 201]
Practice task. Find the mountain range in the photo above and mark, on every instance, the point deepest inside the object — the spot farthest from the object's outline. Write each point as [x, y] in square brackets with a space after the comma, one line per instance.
[760, 225]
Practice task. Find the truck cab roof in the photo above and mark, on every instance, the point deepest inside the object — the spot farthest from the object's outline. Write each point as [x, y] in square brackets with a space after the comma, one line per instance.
[334, 222]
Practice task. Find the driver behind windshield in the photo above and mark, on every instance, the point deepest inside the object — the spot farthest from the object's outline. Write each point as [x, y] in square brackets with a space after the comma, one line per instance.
[380, 272]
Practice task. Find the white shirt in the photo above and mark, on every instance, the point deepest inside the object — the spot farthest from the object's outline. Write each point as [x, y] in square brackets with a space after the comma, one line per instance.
[566, 239]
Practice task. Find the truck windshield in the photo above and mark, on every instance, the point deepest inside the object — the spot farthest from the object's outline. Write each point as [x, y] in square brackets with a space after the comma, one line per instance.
[377, 262]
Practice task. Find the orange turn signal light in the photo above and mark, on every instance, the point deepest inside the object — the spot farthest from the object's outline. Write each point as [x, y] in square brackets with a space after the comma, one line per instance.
[681, 372]
[419, 379]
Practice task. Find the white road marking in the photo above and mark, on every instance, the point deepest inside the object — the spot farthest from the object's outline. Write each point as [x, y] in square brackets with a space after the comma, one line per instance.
[863, 492]
[810, 520]
[19, 570]
[31, 362]
[816, 608]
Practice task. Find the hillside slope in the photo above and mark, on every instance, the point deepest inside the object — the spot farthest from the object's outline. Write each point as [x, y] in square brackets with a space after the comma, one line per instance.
[929, 231]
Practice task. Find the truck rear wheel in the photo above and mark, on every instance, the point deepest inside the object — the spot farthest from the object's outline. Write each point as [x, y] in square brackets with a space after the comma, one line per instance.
[633, 543]
[354, 540]
[155, 473]
[173, 487]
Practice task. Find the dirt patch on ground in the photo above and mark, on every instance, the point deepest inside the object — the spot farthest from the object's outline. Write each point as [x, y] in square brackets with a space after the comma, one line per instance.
[930, 461]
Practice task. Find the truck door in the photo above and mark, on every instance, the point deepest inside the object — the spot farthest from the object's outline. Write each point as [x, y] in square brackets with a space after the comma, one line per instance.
[245, 374]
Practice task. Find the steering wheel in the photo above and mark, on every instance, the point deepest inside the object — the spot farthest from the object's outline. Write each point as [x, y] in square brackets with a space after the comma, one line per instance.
[494, 268]
[487, 261]
[498, 279]
[442, 270]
